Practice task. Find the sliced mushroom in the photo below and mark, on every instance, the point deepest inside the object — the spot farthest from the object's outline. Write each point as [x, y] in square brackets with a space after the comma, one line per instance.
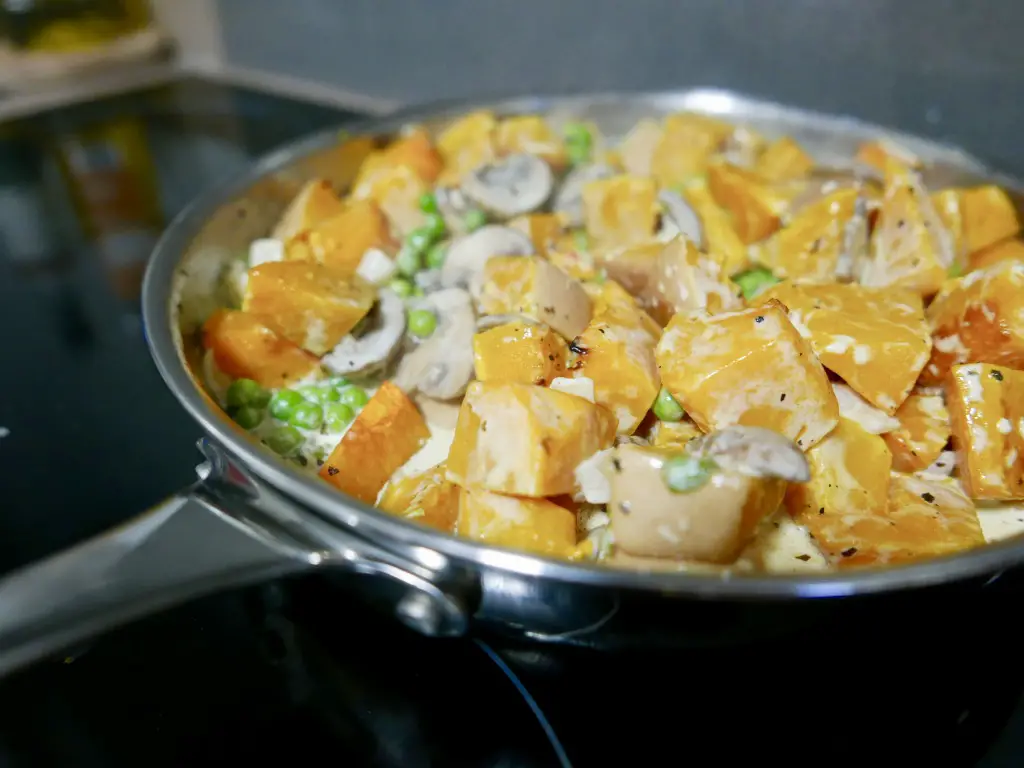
[378, 342]
[442, 365]
[679, 218]
[511, 186]
[467, 255]
[711, 523]
[486, 322]
[754, 452]
[429, 280]
[569, 198]
[454, 206]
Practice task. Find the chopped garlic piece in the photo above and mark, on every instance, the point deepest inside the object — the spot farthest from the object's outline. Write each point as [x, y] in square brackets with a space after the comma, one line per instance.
[265, 250]
[376, 266]
[592, 478]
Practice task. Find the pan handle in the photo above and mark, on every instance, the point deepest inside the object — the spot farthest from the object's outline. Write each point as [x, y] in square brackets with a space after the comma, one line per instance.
[225, 531]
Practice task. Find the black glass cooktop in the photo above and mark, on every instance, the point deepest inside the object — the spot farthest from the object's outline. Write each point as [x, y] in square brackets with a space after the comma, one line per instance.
[295, 672]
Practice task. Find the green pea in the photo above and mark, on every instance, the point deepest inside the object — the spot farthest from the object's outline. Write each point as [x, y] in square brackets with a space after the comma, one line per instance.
[683, 473]
[436, 226]
[307, 415]
[579, 143]
[436, 255]
[422, 323]
[666, 408]
[284, 403]
[419, 240]
[247, 417]
[320, 394]
[578, 133]
[428, 202]
[754, 281]
[581, 240]
[284, 441]
[354, 397]
[401, 287]
[474, 219]
[338, 382]
[418, 292]
[247, 392]
[408, 261]
[956, 270]
[337, 416]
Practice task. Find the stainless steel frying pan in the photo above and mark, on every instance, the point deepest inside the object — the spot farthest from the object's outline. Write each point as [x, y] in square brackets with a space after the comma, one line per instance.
[251, 517]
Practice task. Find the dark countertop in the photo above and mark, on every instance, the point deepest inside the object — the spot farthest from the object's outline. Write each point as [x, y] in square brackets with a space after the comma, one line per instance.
[287, 671]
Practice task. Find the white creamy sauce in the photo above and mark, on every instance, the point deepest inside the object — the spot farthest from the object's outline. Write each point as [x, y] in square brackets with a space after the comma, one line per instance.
[581, 386]
[1001, 521]
[855, 408]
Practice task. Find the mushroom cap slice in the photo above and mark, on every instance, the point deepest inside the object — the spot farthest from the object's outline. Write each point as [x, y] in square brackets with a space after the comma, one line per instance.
[679, 214]
[373, 349]
[467, 255]
[510, 186]
[754, 452]
[569, 198]
[441, 367]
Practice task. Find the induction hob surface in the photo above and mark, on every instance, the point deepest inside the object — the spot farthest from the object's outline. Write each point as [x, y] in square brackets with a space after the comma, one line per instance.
[292, 672]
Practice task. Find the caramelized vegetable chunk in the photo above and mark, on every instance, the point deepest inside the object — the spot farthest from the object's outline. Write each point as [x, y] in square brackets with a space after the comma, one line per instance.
[808, 248]
[519, 352]
[978, 217]
[536, 525]
[1007, 250]
[467, 144]
[532, 286]
[876, 339]
[986, 404]
[782, 160]
[721, 241]
[910, 246]
[532, 135]
[688, 281]
[306, 303]
[315, 202]
[923, 432]
[386, 434]
[688, 142]
[755, 206]
[340, 241]
[621, 210]
[751, 368]
[426, 497]
[524, 440]
[244, 348]
[978, 319]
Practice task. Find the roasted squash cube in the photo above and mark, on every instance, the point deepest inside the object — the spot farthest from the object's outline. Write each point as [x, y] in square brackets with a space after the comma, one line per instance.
[673, 434]
[979, 217]
[922, 434]
[1007, 250]
[615, 303]
[530, 134]
[535, 525]
[340, 241]
[426, 497]
[315, 202]
[978, 318]
[986, 406]
[875, 154]
[875, 338]
[721, 240]
[750, 367]
[808, 247]
[306, 303]
[532, 286]
[385, 435]
[621, 210]
[924, 518]
[521, 352]
[755, 206]
[466, 144]
[688, 142]
[637, 148]
[910, 246]
[543, 229]
[687, 280]
[577, 263]
[525, 440]
[634, 267]
[397, 190]
[782, 160]
[245, 348]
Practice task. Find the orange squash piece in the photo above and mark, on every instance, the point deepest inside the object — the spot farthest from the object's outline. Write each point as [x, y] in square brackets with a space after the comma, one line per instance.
[315, 202]
[687, 281]
[386, 434]
[910, 246]
[875, 153]
[750, 367]
[875, 338]
[808, 247]
[466, 144]
[978, 318]
[688, 142]
[520, 352]
[306, 303]
[621, 210]
[397, 190]
[721, 240]
[979, 217]
[244, 348]
[534, 525]
[986, 406]
[543, 229]
[613, 301]
[530, 134]
[755, 206]
[340, 241]
[427, 497]
[1007, 250]
[923, 432]
[525, 440]
[782, 160]
[673, 434]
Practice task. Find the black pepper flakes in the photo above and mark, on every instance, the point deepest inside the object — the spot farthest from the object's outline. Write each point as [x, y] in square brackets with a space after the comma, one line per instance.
[549, 310]
[782, 397]
[319, 462]
[928, 497]
[332, 471]
[901, 224]
[617, 465]
[805, 558]
[849, 552]
[821, 510]
[997, 375]
[576, 348]
[816, 246]
[483, 426]
[759, 319]
[302, 460]
[551, 357]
